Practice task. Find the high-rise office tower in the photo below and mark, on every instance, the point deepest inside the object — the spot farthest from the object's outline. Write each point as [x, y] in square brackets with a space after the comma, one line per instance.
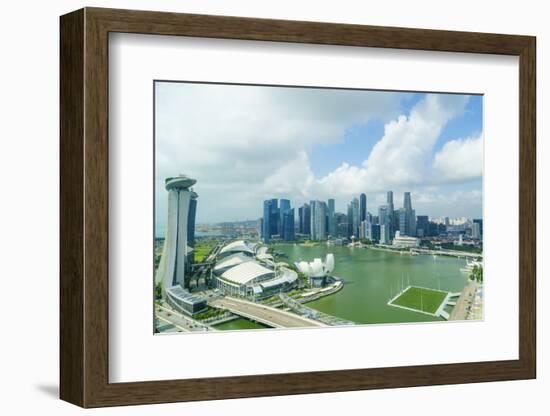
[341, 225]
[412, 223]
[407, 201]
[476, 233]
[422, 226]
[403, 221]
[389, 199]
[384, 220]
[394, 215]
[331, 219]
[350, 220]
[407, 217]
[374, 232]
[274, 218]
[284, 207]
[480, 222]
[304, 219]
[362, 207]
[355, 217]
[318, 220]
[173, 263]
[271, 220]
[266, 221]
[287, 228]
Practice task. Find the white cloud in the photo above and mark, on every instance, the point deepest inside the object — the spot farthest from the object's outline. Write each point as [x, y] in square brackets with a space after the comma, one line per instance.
[228, 136]
[402, 157]
[293, 178]
[245, 144]
[459, 160]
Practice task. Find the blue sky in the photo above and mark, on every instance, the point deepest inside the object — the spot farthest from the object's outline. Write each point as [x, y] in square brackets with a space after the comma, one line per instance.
[358, 140]
[245, 144]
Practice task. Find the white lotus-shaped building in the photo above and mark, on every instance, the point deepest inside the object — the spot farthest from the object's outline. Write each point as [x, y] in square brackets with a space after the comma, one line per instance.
[317, 268]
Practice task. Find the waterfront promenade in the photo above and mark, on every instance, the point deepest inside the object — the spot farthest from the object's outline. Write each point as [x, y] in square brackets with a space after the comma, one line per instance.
[263, 314]
[460, 311]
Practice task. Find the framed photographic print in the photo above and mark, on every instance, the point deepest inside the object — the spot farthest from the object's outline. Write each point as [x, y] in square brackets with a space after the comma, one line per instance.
[255, 207]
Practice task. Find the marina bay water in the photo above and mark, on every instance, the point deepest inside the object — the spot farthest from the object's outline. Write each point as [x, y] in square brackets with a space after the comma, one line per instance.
[240, 323]
[371, 277]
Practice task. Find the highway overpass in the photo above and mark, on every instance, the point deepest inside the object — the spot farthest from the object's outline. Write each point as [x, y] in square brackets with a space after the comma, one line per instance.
[275, 318]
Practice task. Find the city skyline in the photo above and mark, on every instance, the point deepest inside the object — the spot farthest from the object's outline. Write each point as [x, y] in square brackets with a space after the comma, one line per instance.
[318, 220]
[334, 144]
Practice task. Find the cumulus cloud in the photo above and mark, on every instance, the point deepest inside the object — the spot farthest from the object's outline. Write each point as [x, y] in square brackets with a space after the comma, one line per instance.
[402, 157]
[459, 160]
[228, 136]
[244, 144]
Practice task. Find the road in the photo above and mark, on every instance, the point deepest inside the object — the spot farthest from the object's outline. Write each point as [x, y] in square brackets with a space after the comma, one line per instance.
[264, 314]
[182, 323]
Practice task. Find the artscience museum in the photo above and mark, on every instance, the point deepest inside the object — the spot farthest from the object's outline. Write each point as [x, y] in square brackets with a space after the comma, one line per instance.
[317, 270]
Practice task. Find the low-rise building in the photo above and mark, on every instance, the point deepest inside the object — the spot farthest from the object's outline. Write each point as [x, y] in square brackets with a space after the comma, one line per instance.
[250, 271]
[317, 271]
[405, 241]
[183, 301]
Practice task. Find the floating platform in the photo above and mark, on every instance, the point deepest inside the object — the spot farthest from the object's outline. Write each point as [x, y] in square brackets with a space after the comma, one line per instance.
[423, 300]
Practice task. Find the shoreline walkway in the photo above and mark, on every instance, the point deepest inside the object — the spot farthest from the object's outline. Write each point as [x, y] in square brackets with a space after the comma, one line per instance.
[460, 311]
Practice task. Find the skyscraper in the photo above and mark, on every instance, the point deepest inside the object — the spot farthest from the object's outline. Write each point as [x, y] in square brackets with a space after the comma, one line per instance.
[350, 221]
[407, 217]
[318, 220]
[476, 232]
[274, 218]
[284, 207]
[394, 215]
[389, 199]
[304, 217]
[171, 270]
[407, 201]
[266, 221]
[355, 217]
[422, 226]
[191, 219]
[287, 228]
[284, 212]
[384, 220]
[270, 223]
[331, 218]
[480, 222]
[362, 207]
[341, 225]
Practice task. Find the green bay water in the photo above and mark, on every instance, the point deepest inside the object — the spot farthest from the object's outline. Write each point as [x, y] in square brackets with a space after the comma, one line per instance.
[240, 323]
[371, 277]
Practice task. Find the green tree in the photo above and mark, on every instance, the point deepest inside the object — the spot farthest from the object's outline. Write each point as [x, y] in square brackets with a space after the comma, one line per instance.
[477, 274]
[158, 291]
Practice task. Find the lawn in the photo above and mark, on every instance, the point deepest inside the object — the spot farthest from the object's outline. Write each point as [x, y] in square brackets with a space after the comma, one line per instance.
[202, 250]
[421, 299]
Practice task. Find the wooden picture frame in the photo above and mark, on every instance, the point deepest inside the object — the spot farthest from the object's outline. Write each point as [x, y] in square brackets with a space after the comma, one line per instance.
[84, 207]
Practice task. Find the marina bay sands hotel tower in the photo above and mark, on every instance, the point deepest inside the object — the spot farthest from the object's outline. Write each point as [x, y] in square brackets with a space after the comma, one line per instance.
[180, 231]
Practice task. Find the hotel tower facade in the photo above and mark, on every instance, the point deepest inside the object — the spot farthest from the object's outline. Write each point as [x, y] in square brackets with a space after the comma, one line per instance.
[181, 203]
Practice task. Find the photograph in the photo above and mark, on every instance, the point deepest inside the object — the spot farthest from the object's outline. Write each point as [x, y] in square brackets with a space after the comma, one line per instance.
[289, 206]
